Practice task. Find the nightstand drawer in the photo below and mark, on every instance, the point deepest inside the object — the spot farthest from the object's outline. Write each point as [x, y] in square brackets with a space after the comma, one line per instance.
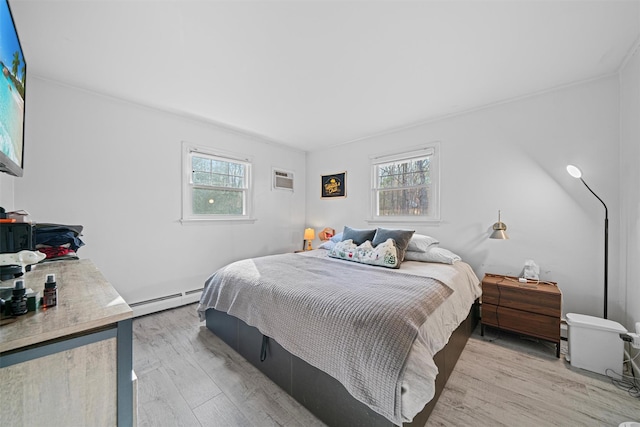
[523, 298]
[533, 324]
[529, 309]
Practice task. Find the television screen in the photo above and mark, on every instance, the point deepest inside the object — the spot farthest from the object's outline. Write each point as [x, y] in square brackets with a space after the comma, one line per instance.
[13, 78]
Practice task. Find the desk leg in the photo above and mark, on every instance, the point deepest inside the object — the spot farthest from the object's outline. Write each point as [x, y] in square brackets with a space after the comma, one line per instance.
[125, 367]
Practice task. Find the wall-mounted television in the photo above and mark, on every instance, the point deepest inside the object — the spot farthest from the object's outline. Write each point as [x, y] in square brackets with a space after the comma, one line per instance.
[12, 95]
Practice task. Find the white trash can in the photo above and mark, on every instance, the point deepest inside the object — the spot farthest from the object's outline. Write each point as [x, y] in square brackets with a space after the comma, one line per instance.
[595, 343]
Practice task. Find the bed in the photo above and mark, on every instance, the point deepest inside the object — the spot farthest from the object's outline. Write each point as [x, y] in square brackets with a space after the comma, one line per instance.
[334, 356]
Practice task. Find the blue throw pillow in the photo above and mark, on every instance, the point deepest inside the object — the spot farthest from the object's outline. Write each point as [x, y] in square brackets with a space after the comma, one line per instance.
[359, 236]
[400, 237]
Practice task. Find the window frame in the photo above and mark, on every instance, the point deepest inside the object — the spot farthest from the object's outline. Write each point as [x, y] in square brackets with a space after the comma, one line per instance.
[190, 150]
[431, 150]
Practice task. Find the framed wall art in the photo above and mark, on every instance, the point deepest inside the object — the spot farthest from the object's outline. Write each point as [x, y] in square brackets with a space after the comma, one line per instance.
[334, 185]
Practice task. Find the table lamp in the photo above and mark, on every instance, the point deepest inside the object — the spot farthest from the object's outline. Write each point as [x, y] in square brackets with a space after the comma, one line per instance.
[309, 235]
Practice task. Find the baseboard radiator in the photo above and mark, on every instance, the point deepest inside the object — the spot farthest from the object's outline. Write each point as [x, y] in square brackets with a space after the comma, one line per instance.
[165, 302]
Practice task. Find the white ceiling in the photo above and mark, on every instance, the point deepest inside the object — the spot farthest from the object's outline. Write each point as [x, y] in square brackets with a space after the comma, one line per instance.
[316, 73]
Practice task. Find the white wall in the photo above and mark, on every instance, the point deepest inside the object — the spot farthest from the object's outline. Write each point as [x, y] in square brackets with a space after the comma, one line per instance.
[6, 191]
[115, 168]
[630, 186]
[510, 157]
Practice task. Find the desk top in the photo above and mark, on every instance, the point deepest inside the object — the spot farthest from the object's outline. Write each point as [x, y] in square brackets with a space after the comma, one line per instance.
[86, 301]
[512, 281]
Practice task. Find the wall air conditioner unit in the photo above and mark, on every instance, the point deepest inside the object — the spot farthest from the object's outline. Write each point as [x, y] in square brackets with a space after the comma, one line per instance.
[282, 180]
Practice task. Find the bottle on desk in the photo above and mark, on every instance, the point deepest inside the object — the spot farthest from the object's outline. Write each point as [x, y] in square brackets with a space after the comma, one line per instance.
[50, 294]
[18, 298]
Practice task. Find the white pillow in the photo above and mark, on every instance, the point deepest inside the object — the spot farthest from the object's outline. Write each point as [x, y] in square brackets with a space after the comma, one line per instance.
[434, 254]
[421, 243]
[331, 243]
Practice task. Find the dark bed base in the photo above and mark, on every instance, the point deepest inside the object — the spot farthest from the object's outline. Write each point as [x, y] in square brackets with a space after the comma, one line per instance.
[320, 393]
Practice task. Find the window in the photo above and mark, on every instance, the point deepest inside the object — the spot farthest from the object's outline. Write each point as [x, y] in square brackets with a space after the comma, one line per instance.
[216, 185]
[406, 186]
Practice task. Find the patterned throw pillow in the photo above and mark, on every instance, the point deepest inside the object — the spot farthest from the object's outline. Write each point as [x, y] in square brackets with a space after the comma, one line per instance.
[383, 255]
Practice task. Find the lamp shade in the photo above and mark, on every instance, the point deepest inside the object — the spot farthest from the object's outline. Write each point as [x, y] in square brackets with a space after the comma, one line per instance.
[499, 230]
[309, 234]
[499, 233]
[574, 171]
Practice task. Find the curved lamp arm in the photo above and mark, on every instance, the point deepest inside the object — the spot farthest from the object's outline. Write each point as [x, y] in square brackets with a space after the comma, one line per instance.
[606, 211]
[575, 172]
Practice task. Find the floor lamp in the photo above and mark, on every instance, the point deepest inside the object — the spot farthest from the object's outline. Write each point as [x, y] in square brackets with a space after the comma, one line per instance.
[577, 173]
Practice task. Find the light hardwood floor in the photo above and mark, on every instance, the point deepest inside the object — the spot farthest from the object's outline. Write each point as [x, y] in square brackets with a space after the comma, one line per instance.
[189, 377]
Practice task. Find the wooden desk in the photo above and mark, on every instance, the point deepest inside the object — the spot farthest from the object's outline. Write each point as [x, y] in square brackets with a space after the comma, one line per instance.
[70, 364]
[529, 309]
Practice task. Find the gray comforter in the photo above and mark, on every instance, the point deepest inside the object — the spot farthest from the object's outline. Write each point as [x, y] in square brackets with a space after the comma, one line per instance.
[355, 322]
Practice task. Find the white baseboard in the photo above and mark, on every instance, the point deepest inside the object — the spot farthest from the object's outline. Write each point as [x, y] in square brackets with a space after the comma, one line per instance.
[563, 330]
[166, 302]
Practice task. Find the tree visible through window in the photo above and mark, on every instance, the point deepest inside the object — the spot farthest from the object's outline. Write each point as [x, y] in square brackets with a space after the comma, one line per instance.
[405, 185]
[217, 186]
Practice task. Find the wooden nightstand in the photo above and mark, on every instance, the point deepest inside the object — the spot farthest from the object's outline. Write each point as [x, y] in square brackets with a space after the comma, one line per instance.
[530, 309]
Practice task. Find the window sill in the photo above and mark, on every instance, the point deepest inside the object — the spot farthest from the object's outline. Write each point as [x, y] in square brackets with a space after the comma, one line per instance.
[403, 220]
[194, 221]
